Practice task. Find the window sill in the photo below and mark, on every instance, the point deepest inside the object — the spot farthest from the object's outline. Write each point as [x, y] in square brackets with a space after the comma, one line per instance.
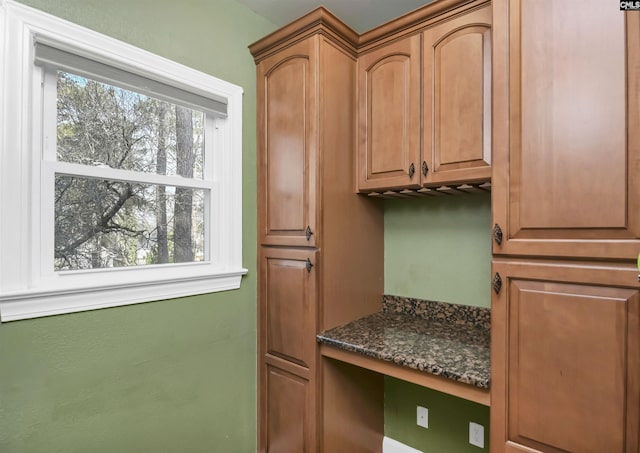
[36, 304]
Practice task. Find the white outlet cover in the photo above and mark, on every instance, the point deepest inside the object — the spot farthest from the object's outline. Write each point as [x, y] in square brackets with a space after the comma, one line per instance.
[422, 417]
[476, 434]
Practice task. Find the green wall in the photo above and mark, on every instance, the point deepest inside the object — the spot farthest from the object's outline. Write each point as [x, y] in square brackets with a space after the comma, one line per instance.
[436, 249]
[439, 248]
[169, 376]
[449, 418]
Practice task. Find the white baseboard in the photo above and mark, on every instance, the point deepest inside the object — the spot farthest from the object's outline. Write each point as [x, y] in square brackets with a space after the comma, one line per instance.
[393, 446]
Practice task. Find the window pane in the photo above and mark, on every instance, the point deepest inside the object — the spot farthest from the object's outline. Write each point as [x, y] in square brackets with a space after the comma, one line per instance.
[103, 224]
[100, 124]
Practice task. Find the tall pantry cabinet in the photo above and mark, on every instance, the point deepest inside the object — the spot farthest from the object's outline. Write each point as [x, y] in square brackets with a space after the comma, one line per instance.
[321, 246]
[566, 209]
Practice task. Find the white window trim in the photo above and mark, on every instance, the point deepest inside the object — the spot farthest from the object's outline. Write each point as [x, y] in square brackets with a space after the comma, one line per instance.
[25, 291]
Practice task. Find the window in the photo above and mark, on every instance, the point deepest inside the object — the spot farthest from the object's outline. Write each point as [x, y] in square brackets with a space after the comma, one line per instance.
[120, 172]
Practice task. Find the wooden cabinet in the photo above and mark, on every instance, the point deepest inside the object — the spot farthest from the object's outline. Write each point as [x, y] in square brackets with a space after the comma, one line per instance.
[566, 179]
[424, 106]
[288, 305]
[389, 115]
[565, 358]
[287, 352]
[288, 408]
[320, 245]
[288, 164]
[565, 196]
[456, 93]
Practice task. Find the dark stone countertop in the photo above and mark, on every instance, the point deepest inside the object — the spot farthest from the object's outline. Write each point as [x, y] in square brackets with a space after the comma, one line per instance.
[460, 352]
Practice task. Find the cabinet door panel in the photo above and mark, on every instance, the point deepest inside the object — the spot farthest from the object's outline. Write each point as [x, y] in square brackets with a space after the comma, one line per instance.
[288, 304]
[566, 136]
[287, 412]
[388, 116]
[566, 366]
[286, 121]
[457, 99]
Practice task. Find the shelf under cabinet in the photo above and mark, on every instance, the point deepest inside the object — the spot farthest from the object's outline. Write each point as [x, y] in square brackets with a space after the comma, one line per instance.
[450, 357]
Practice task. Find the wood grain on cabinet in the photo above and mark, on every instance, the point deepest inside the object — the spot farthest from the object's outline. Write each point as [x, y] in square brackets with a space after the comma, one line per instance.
[353, 408]
[306, 125]
[286, 349]
[424, 104]
[389, 116]
[288, 405]
[288, 300]
[566, 140]
[456, 101]
[287, 149]
[352, 265]
[439, 383]
[565, 358]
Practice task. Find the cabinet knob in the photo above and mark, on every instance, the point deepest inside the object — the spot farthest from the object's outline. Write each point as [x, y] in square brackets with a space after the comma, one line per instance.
[308, 233]
[309, 265]
[496, 283]
[425, 168]
[412, 170]
[497, 234]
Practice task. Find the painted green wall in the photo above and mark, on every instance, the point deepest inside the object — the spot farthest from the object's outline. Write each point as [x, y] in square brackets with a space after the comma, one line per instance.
[449, 418]
[169, 376]
[439, 248]
[436, 249]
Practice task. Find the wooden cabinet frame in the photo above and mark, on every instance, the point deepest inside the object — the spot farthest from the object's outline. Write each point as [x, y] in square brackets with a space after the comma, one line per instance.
[584, 230]
[424, 116]
[526, 357]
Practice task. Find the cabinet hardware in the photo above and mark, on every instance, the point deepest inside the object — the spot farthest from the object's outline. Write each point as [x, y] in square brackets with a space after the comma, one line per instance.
[308, 233]
[497, 283]
[497, 234]
[412, 170]
[425, 168]
[309, 265]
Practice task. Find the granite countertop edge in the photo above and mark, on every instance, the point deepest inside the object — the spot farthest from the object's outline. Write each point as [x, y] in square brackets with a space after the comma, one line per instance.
[455, 351]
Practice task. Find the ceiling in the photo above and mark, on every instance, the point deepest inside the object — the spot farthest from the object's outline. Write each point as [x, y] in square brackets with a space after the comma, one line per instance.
[361, 15]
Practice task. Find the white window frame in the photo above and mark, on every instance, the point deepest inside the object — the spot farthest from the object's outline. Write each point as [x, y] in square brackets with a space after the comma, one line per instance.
[28, 286]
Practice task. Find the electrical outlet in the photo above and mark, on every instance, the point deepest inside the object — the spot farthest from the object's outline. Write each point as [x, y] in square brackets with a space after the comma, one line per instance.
[476, 434]
[422, 418]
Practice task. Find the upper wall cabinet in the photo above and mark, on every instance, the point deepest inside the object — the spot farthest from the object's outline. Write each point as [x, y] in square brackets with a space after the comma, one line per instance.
[566, 144]
[389, 115]
[424, 106]
[456, 92]
[287, 175]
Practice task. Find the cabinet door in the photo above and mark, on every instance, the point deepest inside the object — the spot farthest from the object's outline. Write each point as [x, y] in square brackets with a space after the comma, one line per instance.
[288, 413]
[457, 99]
[287, 148]
[566, 143]
[565, 358]
[288, 282]
[389, 116]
